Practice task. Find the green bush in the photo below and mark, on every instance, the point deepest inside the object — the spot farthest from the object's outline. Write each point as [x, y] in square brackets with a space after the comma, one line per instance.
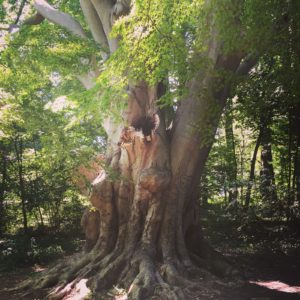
[48, 254]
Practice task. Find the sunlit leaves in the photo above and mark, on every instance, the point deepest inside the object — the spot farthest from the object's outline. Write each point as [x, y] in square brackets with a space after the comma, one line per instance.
[155, 40]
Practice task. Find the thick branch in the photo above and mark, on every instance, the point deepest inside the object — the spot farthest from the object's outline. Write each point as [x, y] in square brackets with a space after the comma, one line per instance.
[104, 10]
[243, 69]
[59, 18]
[94, 22]
[195, 126]
[192, 110]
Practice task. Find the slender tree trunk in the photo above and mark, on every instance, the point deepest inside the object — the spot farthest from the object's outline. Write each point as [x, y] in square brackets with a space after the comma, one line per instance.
[295, 123]
[225, 196]
[36, 185]
[289, 190]
[3, 190]
[242, 164]
[204, 189]
[19, 154]
[297, 171]
[232, 162]
[252, 172]
[267, 177]
[40, 215]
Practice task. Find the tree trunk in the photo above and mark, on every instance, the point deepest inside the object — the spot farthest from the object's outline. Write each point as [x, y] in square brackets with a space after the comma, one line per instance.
[242, 163]
[19, 155]
[297, 172]
[203, 189]
[295, 123]
[267, 177]
[143, 232]
[36, 185]
[231, 163]
[252, 172]
[40, 216]
[3, 190]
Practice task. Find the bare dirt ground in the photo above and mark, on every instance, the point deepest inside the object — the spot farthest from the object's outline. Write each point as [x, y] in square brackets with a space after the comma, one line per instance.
[11, 279]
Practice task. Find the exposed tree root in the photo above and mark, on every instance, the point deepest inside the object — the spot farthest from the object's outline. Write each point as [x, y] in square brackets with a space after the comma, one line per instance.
[138, 274]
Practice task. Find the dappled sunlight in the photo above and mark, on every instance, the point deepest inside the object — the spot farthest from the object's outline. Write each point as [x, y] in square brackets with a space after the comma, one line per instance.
[121, 297]
[278, 286]
[101, 176]
[38, 269]
[79, 292]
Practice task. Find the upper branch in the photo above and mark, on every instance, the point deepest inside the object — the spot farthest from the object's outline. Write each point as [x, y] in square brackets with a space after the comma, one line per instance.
[104, 10]
[243, 68]
[60, 18]
[94, 23]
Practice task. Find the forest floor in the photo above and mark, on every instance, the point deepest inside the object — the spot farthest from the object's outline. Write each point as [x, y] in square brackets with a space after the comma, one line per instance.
[266, 252]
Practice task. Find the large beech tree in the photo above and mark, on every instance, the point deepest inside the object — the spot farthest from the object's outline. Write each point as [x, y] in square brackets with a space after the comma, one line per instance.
[176, 61]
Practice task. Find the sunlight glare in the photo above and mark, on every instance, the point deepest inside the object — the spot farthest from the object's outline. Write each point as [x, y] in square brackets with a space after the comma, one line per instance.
[80, 291]
[278, 286]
